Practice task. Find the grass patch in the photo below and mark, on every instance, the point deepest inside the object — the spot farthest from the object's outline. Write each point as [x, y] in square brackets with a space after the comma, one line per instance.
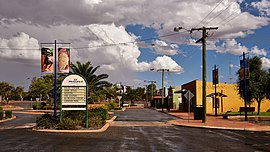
[249, 113]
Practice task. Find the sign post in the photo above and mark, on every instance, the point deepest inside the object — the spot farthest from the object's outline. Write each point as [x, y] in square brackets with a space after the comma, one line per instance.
[189, 96]
[74, 95]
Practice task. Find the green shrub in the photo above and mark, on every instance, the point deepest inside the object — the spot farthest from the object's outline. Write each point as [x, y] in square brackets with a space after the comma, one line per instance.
[102, 112]
[47, 107]
[42, 105]
[117, 108]
[69, 124]
[8, 114]
[96, 122]
[78, 115]
[1, 108]
[1, 114]
[46, 121]
[110, 105]
[36, 106]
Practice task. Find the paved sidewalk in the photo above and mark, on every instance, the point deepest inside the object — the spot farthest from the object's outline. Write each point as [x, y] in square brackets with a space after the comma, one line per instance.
[217, 122]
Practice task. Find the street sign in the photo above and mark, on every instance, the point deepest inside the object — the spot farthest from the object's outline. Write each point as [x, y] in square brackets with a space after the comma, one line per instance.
[189, 95]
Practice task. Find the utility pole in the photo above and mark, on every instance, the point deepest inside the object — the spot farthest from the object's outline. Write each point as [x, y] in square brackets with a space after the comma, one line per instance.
[146, 94]
[203, 39]
[152, 83]
[162, 92]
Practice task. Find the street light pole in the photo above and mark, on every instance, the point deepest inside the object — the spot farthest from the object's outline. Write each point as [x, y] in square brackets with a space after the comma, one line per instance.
[55, 74]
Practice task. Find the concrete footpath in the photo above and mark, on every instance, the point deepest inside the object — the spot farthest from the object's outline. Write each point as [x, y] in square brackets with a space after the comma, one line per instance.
[217, 122]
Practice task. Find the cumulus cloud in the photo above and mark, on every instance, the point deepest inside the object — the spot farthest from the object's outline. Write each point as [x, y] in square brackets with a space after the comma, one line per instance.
[263, 6]
[90, 24]
[231, 46]
[120, 55]
[169, 14]
[166, 62]
[265, 63]
[161, 47]
[258, 52]
[20, 46]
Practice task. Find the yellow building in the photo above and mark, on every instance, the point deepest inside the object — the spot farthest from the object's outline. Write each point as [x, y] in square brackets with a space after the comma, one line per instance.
[230, 103]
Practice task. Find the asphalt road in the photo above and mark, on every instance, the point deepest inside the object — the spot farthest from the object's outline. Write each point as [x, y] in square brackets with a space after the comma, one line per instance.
[137, 130]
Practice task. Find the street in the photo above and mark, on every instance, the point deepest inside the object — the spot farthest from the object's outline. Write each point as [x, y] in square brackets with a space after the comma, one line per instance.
[135, 130]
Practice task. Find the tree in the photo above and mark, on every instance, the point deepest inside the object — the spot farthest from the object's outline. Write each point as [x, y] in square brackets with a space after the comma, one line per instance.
[96, 83]
[17, 93]
[256, 84]
[151, 90]
[6, 90]
[268, 85]
[42, 86]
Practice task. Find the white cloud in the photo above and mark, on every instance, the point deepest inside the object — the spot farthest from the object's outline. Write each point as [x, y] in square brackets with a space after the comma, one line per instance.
[121, 56]
[20, 46]
[166, 62]
[258, 52]
[265, 63]
[263, 6]
[231, 46]
[161, 47]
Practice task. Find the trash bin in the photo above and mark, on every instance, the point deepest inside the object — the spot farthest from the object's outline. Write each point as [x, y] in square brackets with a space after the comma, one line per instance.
[198, 113]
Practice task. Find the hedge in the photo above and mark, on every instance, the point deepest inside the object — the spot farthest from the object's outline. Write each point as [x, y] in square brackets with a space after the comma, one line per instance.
[1, 114]
[8, 114]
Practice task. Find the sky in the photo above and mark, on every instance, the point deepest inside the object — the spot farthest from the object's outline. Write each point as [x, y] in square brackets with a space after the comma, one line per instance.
[127, 38]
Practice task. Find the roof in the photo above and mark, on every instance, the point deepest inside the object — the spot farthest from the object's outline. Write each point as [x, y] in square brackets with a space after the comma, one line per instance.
[157, 97]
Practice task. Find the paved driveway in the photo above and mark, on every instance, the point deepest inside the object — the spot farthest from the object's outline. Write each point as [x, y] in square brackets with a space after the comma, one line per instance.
[136, 136]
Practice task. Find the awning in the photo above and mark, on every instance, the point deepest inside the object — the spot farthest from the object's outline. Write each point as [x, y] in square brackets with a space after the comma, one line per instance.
[180, 91]
[218, 94]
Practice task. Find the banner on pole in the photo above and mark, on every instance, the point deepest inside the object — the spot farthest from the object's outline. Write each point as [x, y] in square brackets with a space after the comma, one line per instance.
[63, 60]
[215, 76]
[47, 60]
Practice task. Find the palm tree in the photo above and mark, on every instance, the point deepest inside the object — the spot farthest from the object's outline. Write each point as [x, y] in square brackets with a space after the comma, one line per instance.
[95, 82]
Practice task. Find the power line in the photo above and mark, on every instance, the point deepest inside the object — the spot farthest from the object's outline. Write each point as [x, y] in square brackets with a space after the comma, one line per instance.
[104, 45]
[209, 13]
[218, 15]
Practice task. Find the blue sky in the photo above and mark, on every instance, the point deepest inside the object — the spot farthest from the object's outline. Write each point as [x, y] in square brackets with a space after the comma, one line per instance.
[130, 28]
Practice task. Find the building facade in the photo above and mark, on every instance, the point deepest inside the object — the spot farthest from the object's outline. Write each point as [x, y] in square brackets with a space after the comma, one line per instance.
[231, 101]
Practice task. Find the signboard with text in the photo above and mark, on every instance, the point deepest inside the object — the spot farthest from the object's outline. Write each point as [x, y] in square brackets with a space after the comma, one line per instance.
[74, 94]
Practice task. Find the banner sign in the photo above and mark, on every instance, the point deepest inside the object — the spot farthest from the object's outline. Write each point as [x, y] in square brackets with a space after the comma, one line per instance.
[47, 60]
[215, 76]
[244, 68]
[63, 60]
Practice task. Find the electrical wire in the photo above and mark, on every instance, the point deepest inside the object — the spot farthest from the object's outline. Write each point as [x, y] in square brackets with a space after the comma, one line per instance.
[209, 13]
[105, 45]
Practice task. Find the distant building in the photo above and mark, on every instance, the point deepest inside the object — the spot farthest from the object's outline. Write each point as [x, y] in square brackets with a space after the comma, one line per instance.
[175, 97]
[228, 101]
